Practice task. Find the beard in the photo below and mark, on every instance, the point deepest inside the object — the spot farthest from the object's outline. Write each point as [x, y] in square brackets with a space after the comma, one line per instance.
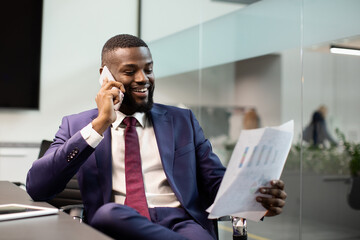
[130, 104]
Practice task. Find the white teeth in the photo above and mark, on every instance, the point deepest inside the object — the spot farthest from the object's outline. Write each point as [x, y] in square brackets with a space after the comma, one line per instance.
[141, 90]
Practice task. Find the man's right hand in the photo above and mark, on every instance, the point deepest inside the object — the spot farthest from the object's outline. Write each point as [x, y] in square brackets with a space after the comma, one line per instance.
[106, 98]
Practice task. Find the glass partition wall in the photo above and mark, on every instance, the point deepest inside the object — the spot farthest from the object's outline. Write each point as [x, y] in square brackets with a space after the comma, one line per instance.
[331, 104]
[248, 64]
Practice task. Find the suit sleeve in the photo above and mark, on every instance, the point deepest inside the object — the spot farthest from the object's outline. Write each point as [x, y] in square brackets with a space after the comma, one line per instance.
[210, 170]
[50, 174]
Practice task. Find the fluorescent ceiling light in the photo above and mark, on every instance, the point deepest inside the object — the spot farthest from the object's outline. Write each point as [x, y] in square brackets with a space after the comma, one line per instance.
[345, 50]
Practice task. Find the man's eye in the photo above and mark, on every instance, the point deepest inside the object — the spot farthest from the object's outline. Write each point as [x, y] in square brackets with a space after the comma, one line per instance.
[129, 73]
[148, 71]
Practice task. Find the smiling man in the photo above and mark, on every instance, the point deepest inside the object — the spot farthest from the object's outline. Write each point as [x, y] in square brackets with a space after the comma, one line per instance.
[146, 170]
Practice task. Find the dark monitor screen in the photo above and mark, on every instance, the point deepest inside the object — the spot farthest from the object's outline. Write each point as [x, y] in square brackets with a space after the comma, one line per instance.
[21, 23]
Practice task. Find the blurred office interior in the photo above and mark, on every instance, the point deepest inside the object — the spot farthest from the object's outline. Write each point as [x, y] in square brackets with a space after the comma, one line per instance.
[221, 58]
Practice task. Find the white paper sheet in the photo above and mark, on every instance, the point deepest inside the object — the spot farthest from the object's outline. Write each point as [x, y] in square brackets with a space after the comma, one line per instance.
[258, 157]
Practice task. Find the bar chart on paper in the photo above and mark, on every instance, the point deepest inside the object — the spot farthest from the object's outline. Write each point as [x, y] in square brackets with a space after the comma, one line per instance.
[263, 156]
[259, 157]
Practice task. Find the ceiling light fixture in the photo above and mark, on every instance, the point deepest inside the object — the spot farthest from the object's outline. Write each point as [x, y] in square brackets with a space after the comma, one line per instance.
[344, 50]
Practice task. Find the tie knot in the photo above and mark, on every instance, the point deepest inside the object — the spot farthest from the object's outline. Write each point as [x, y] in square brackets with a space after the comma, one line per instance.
[130, 121]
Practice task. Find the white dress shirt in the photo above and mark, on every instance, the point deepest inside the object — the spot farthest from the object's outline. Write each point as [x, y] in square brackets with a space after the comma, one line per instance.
[157, 189]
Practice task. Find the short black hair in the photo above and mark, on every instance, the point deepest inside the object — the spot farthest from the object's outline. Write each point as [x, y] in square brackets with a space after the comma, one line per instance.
[121, 41]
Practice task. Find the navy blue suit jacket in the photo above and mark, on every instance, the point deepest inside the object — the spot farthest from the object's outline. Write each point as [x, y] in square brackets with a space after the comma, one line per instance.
[194, 172]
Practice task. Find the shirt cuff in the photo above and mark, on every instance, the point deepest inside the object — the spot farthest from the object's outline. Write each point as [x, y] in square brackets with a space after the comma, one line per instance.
[92, 137]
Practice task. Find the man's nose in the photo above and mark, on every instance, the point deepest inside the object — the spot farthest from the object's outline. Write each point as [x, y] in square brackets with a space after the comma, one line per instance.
[141, 77]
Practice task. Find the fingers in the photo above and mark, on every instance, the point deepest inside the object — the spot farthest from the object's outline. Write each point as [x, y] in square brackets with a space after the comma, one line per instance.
[275, 193]
[276, 189]
[273, 205]
[276, 199]
[271, 202]
[278, 183]
[122, 88]
[116, 95]
[107, 85]
[273, 212]
[110, 90]
[116, 100]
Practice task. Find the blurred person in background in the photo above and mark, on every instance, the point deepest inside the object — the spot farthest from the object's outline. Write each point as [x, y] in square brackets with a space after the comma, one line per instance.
[316, 132]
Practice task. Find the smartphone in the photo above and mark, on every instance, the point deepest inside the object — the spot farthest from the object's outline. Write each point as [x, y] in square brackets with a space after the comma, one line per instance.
[106, 73]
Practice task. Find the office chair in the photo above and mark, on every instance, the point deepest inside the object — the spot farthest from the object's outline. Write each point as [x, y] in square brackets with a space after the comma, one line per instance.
[69, 200]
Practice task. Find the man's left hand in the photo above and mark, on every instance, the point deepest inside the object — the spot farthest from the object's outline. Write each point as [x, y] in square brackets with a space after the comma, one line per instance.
[276, 200]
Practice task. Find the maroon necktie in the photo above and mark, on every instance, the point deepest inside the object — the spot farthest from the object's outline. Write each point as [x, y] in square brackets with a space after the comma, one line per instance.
[135, 191]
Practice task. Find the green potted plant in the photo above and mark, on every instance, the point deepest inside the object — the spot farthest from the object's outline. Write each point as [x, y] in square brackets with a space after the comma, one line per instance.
[353, 149]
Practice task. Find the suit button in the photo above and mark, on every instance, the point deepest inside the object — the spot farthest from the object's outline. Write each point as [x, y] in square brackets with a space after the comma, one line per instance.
[72, 154]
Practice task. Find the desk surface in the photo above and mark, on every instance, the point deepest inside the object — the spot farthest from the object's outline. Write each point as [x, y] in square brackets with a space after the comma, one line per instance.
[54, 227]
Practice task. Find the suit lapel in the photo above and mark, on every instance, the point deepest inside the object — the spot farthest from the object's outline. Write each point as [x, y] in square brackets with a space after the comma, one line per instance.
[163, 127]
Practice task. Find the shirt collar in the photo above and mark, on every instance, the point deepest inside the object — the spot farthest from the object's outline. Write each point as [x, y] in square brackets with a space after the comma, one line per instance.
[140, 117]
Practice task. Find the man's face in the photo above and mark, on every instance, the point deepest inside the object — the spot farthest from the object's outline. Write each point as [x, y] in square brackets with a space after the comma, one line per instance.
[133, 67]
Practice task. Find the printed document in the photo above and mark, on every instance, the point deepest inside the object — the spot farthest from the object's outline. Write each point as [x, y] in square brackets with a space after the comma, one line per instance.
[259, 156]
